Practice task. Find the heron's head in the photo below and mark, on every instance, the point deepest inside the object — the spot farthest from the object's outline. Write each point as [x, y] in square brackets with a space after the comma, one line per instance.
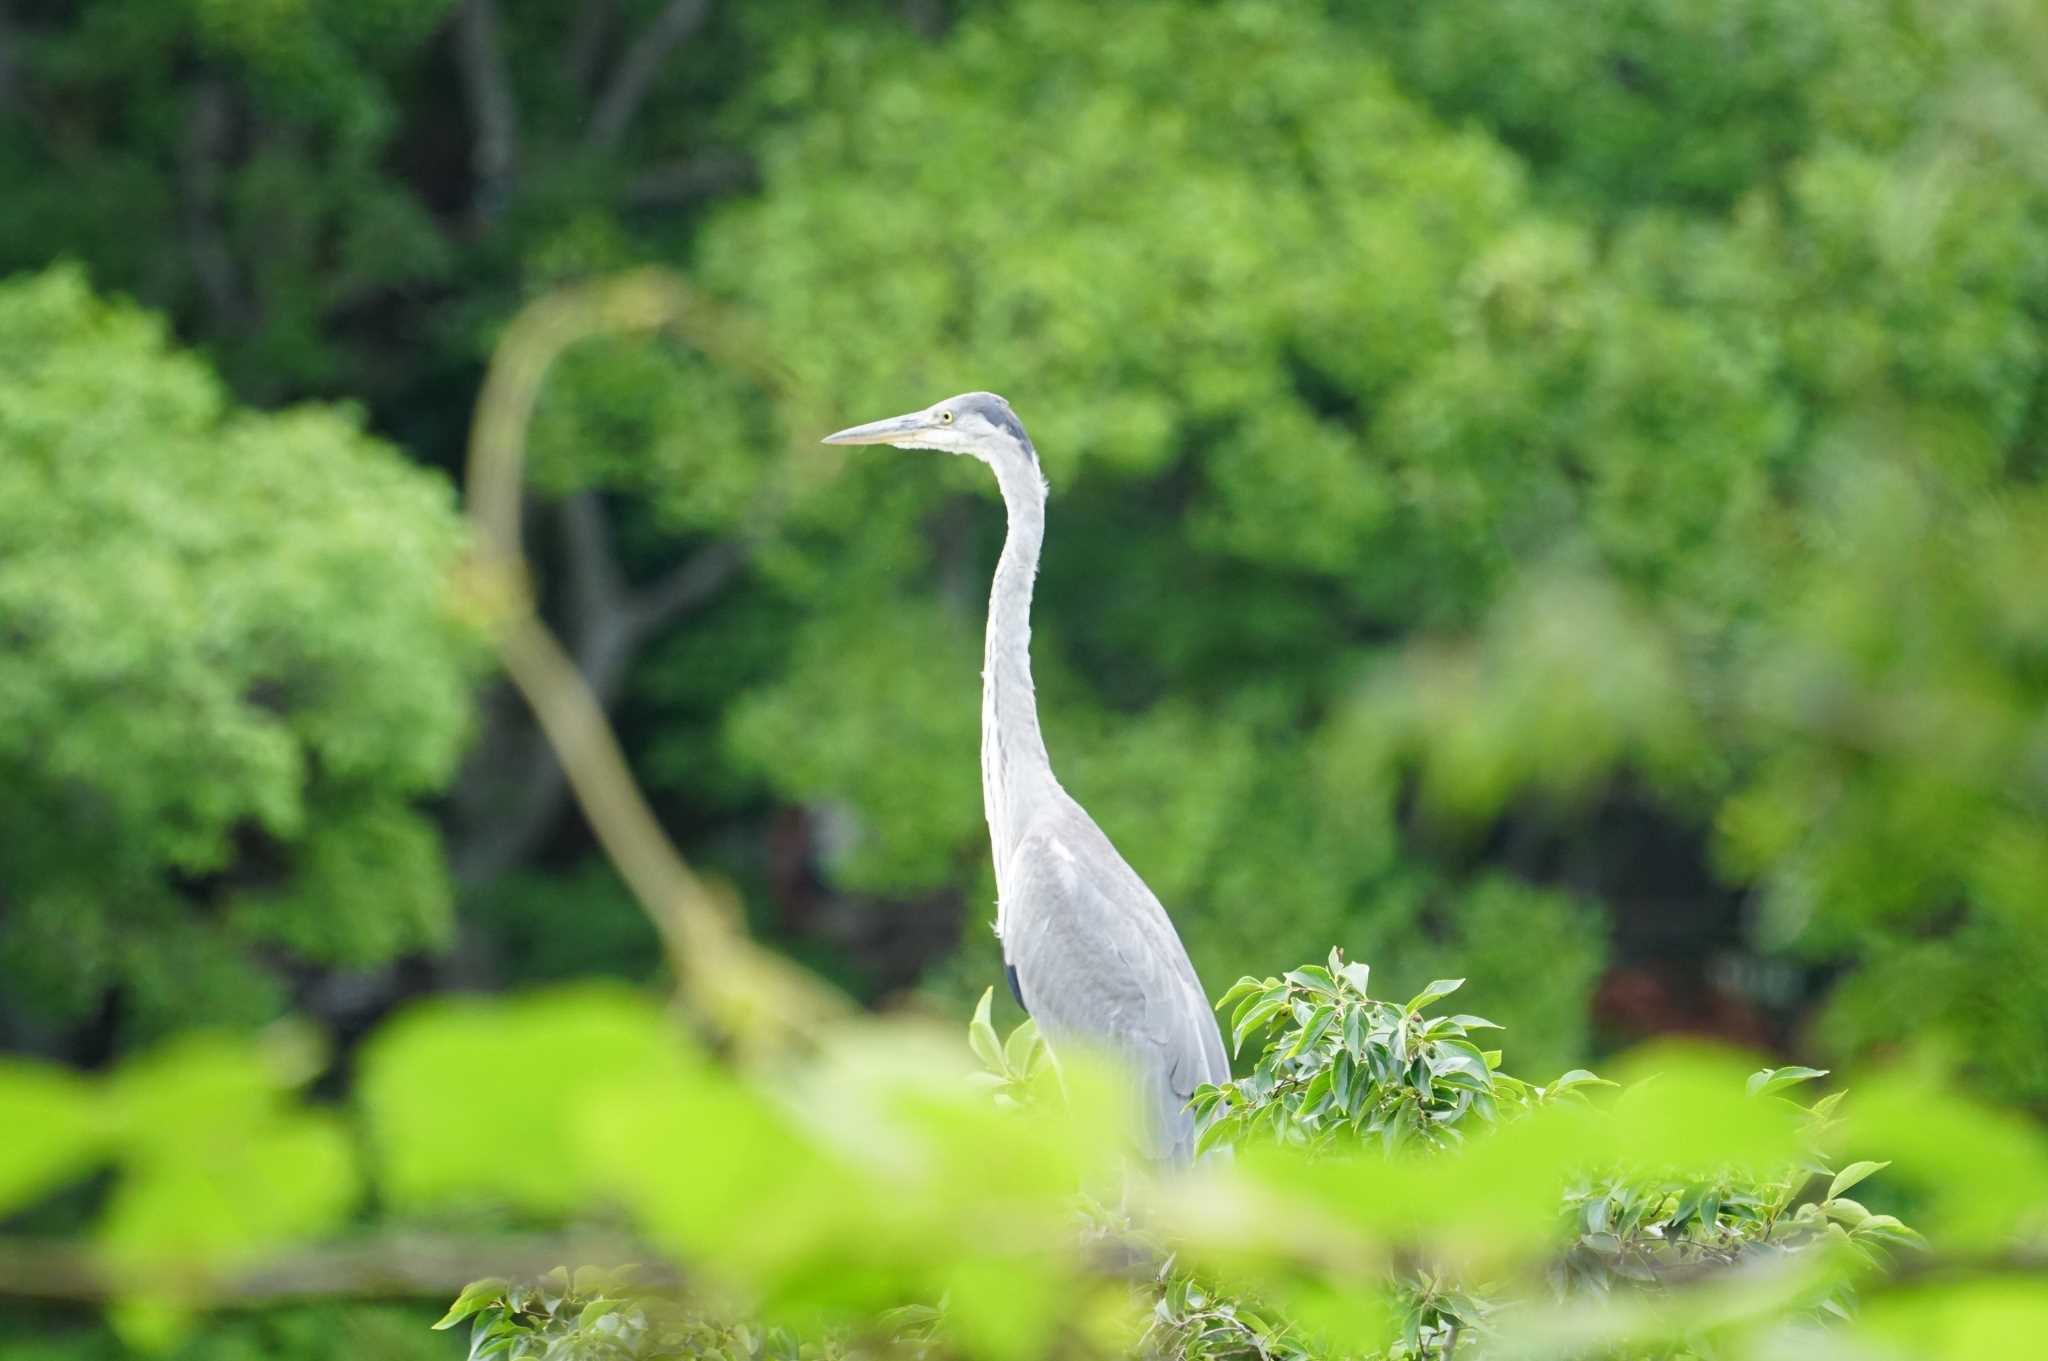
[979, 424]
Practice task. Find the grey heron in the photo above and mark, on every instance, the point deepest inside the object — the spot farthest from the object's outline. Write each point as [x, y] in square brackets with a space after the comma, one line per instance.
[1090, 953]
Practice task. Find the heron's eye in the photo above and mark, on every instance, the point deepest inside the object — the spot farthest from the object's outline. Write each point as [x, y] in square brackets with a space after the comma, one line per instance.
[945, 418]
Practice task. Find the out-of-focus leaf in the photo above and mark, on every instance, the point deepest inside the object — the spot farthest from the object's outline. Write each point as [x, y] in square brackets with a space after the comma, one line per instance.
[1767, 1081]
[981, 1034]
[1852, 1174]
[55, 1130]
[488, 1099]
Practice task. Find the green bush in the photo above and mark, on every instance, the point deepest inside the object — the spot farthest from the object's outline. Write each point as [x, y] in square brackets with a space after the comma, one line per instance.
[1677, 1217]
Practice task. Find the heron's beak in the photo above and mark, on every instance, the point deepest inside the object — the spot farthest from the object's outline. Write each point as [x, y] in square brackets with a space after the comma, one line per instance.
[901, 431]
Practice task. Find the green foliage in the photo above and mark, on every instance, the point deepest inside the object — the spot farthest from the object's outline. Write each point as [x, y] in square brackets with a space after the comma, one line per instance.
[1342, 1071]
[1481, 415]
[230, 673]
[1690, 1214]
[553, 928]
[280, 244]
[1015, 1070]
[214, 1165]
[1489, 929]
[608, 1316]
[1511, 463]
[305, 1332]
[1465, 421]
[1208, 438]
[1633, 101]
[871, 1199]
[1341, 1066]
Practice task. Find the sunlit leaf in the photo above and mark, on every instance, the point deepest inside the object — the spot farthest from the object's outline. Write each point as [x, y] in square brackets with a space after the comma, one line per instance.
[1441, 988]
[56, 1129]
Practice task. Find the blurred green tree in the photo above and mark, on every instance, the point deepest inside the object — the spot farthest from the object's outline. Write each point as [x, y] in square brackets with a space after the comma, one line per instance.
[1577, 468]
[230, 672]
[1412, 481]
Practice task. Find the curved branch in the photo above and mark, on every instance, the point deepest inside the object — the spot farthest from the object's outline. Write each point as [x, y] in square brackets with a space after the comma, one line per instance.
[758, 998]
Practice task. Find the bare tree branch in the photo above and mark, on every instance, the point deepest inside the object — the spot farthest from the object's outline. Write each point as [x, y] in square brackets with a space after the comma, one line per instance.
[510, 795]
[688, 586]
[200, 155]
[387, 1266]
[634, 77]
[494, 119]
[722, 974]
[596, 584]
[927, 18]
[514, 790]
[9, 71]
[586, 43]
[693, 177]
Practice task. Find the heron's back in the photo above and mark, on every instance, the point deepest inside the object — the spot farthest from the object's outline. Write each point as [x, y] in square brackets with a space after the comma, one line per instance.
[1097, 961]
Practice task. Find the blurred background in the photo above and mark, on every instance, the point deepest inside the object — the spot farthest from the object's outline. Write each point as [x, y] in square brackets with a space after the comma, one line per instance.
[1547, 494]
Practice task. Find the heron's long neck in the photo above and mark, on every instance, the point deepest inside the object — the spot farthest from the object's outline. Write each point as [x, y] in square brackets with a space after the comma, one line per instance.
[1016, 777]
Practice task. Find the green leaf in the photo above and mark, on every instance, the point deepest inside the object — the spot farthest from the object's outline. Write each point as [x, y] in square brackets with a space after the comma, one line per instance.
[1314, 978]
[1471, 1022]
[1242, 988]
[1262, 1012]
[55, 1128]
[1577, 1077]
[1845, 1210]
[1460, 1064]
[1359, 976]
[474, 1296]
[1355, 1022]
[1889, 1228]
[1852, 1174]
[1020, 1051]
[1275, 993]
[596, 1310]
[1765, 1081]
[1218, 1132]
[519, 1077]
[492, 1347]
[1318, 1087]
[1312, 1033]
[1460, 1079]
[981, 1033]
[492, 1332]
[1440, 988]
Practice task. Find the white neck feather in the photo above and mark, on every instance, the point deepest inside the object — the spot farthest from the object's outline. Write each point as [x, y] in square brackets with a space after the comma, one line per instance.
[1016, 776]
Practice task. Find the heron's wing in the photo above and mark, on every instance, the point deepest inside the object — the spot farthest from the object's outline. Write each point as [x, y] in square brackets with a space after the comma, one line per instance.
[1098, 962]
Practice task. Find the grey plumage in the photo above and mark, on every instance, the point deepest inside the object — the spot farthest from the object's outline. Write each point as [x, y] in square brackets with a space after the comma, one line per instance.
[1089, 951]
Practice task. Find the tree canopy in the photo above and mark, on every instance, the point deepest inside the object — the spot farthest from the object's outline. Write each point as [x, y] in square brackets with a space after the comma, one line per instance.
[1578, 469]
[232, 669]
[1550, 495]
